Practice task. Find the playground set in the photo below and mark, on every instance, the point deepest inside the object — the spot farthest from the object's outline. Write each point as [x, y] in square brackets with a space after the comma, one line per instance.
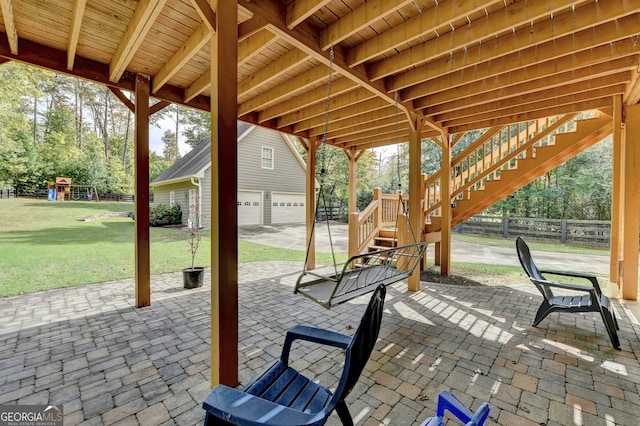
[63, 190]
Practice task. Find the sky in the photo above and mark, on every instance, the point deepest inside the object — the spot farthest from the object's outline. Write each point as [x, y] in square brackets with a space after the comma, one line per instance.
[155, 137]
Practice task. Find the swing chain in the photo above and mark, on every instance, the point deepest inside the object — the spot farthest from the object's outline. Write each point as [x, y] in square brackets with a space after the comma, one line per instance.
[397, 141]
[326, 115]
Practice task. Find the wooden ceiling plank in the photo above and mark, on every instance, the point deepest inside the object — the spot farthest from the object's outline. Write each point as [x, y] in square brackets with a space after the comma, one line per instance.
[319, 109]
[283, 91]
[465, 125]
[356, 117]
[79, 7]
[306, 39]
[358, 126]
[388, 132]
[198, 39]
[353, 110]
[535, 78]
[299, 10]
[9, 25]
[312, 97]
[207, 14]
[272, 71]
[145, 15]
[514, 16]
[358, 19]
[526, 93]
[491, 110]
[514, 51]
[415, 27]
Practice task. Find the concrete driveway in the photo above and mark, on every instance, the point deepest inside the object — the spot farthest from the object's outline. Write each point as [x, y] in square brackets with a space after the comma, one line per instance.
[293, 236]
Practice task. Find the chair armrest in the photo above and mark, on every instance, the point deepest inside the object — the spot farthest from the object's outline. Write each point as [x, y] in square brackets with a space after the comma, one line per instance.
[566, 286]
[312, 334]
[241, 408]
[590, 277]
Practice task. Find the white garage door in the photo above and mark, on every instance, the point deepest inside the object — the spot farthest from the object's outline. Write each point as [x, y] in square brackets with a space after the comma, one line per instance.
[249, 208]
[287, 208]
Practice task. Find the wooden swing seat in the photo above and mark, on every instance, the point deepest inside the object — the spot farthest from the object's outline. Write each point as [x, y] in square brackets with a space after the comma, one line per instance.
[361, 274]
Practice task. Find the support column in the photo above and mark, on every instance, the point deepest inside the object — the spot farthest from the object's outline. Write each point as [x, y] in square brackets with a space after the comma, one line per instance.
[311, 202]
[445, 196]
[353, 157]
[224, 189]
[415, 187]
[617, 200]
[141, 199]
[631, 217]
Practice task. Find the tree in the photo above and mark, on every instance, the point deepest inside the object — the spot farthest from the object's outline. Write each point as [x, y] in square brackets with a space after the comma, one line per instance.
[170, 150]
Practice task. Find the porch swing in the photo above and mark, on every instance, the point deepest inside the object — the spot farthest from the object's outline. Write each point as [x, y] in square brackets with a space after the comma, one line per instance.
[361, 273]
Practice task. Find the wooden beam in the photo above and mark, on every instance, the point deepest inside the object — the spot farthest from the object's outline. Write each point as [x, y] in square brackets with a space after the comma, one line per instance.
[415, 195]
[617, 200]
[9, 25]
[445, 211]
[632, 95]
[207, 14]
[283, 64]
[307, 99]
[143, 19]
[299, 10]
[141, 198]
[123, 98]
[305, 38]
[158, 106]
[56, 60]
[254, 45]
[516, 52]
[249, 28]
[224, 188]
[358, 19]
[350, 110]
[74, 34]
[631, 215]
[193, 45]
[499, 22]
[354, 117]
[311, 202]
[417, 26]
[197, 87]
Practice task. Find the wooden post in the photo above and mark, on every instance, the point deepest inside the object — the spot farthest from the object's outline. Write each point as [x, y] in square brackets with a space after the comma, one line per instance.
[445, 196]
[415, 187]
[353, 157]
[617, 200]
[631, 224]
[311, 202]
[224, 189]
[141, 199]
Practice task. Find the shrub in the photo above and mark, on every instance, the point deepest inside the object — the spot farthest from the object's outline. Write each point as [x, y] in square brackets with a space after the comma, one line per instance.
[162, 215]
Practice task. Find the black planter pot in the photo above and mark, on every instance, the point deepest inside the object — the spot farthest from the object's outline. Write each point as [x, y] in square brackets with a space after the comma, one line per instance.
[193, 278]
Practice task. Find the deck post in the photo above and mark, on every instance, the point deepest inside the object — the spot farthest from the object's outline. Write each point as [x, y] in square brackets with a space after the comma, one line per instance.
[415, 188]
[141, 199]
[311, 202]
[353, 216]
[631, 215]
[617, 203]
[445, 191]
[224, 189]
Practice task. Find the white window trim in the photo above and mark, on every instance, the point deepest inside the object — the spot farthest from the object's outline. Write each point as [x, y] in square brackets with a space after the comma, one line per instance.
[262, 158]
[172, 198]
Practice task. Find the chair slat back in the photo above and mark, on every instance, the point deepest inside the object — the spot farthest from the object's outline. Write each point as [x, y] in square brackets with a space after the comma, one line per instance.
[362, 343]
[527, 261]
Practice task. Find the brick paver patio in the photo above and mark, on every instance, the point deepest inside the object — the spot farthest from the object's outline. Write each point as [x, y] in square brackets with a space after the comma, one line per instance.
[108, 363]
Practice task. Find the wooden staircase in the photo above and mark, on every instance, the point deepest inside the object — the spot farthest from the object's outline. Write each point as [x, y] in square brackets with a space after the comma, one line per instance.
[501, 161]
[540, 154]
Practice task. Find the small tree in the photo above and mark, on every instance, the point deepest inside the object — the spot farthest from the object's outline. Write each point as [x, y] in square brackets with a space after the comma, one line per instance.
[193, 234]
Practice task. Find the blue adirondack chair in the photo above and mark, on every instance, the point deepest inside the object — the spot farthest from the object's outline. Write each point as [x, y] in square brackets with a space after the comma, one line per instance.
[283, 396]
[447, 401]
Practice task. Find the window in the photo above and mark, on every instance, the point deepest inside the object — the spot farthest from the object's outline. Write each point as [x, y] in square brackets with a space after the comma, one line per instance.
[267, 158]
[172, 198]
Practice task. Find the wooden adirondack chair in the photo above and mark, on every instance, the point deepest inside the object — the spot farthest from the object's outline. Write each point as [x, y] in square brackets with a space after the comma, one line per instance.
[582, 299]
[283, 396]
[447, 401]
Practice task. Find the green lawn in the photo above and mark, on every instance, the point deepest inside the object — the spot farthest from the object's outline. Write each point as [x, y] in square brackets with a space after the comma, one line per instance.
[45, 245]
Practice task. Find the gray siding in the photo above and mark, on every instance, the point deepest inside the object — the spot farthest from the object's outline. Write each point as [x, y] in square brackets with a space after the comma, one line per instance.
[205, 201]
[288, 175]
[161, 196]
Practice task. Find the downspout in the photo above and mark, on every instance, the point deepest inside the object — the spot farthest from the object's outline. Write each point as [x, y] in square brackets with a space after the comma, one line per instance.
[196, 182]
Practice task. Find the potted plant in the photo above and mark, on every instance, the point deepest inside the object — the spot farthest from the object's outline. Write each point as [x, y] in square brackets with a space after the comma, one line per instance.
[193, 277]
